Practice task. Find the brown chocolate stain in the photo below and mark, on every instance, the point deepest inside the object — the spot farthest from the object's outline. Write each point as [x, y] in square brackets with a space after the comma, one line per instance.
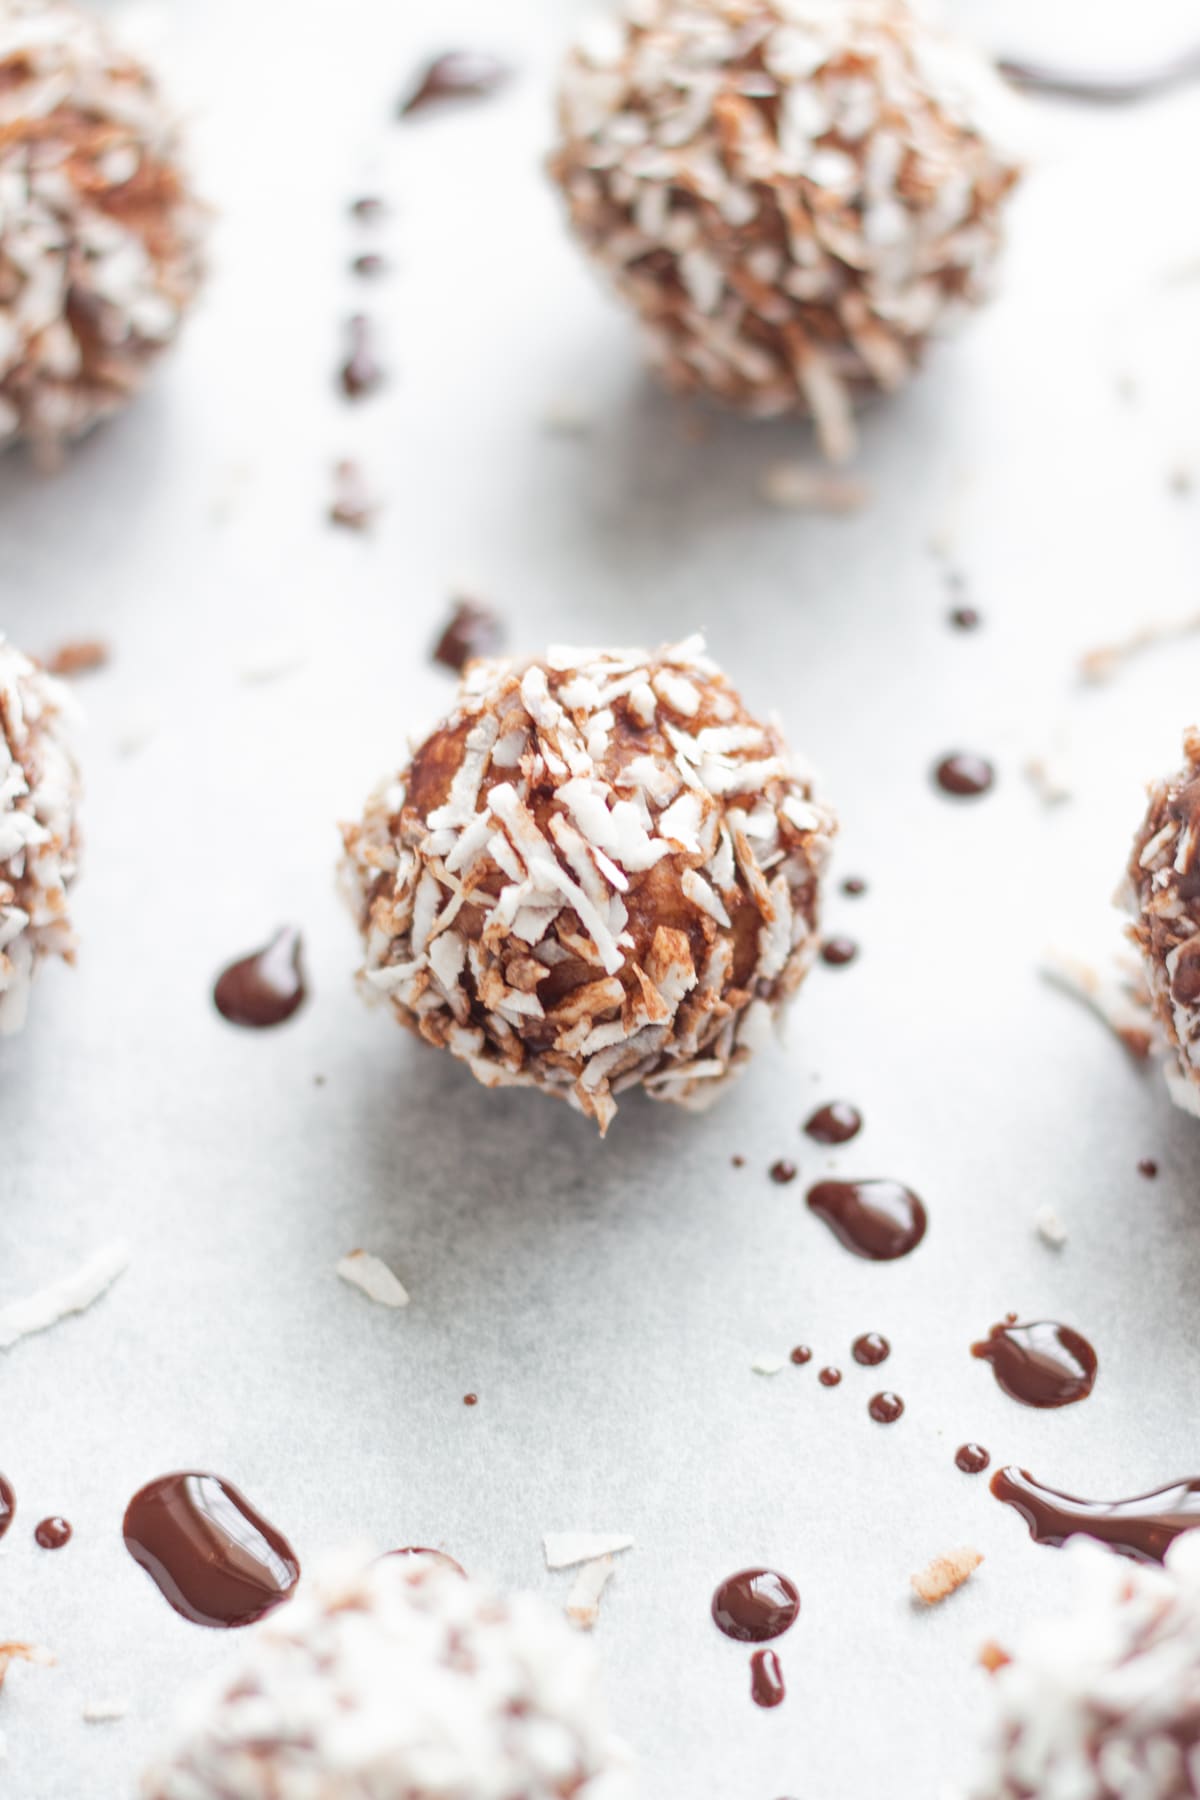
[835, 1123]
[880, 1220]
[1041, 1364]
[215, 1559]
[266, 987]
[52, 1533]
[455, 75]
[755, 1605]
[1143, 1527]
[964, 775]
[766, 1679]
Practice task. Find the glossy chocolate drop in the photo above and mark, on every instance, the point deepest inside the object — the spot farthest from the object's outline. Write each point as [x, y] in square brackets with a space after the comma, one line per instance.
[470, 1399]
[1143, 1527]
[766, 1679]
[1041, 1364]
[755, 1605]
[8, 1504]
[854, 886]
[368, 210]
[801, 1355]
[1148, 1167]
[870, 1349]
[880, 1220]
[838, 951]
[829, 1377]
[369, 265]
[835, 1123]
[361, 373]
[53, 1533]
[1101, 90]
[885, 1408]
[783, 1172]
[972, 1459]
[214, 1558]
[424, 1554]
[737, 1162]
[964, 775]
[265, 988]
[965, 618]
[456, 75]
[472, 630]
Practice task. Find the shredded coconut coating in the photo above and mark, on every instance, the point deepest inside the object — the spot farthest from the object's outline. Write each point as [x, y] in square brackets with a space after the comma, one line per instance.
[99, 235]
[1104, 1704]
[1162, 891]
[793, 195]
[39, 834]
[399, 1681]
[599, 872]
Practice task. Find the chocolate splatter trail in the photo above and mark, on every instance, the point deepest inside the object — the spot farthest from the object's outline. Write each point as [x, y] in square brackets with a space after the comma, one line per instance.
[1040, 1364]
[265, 988]
[213, 1557]
[1143, 1527]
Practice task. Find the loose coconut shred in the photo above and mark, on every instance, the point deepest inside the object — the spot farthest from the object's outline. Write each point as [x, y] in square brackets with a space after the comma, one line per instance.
[404, 1678]
[99, 235]
[600, 872]
[793, 196]
[39, 836]
[1162, 891]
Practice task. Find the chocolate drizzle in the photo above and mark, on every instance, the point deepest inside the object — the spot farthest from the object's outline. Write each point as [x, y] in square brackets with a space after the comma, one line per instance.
[1143, 1527]
[885, 1408]
[8, 1504]
[766, 1679]
[265, 988]
[870, 1349]
[52, 1533]
[755, 1605]
[964, 775]
[972, 1459]
[214, 1558]
[835, 1123]
[456, 75]
[880, 1220]
[1041, 1364]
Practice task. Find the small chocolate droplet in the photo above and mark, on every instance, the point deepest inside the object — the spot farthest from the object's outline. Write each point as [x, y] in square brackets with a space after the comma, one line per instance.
[1148, 1167]
[738, 1162]
[972, 1459]
[838, 951]
[755, 1605]
[965, 618]
[471, 631]
[368, 210]
[369, 265]
[801, 1355]
[835, 1123]
[265, 988]
[783, 1171]
[470, 1399]
[854, 885]
[870, 1349]
[53, 1533]
[766, 1679]
[964, 775]
[829, 1377]
[885, 1408]
[456, 75]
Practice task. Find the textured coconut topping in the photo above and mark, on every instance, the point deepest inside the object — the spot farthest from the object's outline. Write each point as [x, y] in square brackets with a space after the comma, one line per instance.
[1162, 891]
[1105, 1702]
[793, 195]
[598, 872]
[39, 843]
[99, 238]
[399, 1679]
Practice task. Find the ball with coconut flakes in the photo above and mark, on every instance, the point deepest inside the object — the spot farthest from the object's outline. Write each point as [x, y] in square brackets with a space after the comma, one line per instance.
[99, 233]
[39, 832]
[793, 195]
[402, 1680]
[1162, 891]
[1104, 1703]
[600, 872]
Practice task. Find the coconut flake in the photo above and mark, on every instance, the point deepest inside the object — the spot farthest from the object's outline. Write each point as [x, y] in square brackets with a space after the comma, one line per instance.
[72, 1293]
[368, 1272]
[1125, 1013]
[104, 1712]
[1050, 1227]
[809, 487]
[767, 1364]
[944, 1576]
[583, 1601]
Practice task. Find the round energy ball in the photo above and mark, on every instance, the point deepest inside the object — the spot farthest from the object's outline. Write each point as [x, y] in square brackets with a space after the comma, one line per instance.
[1162, 891]
[400, 1681]
[793, 195]
[599, 872]
[99, 234]
[1105, 1703]
[39, 834]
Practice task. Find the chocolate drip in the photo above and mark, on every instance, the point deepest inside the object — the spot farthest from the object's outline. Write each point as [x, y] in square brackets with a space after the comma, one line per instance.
[801, 1355]
[1040, 1364]
[838, 951]
[870, 1349]
[972, 1459]
[830, 1377]
[755, 1605]
[52, 1533]
[880, 1220]
[766, 1679]
[214, 1558]
[783, 1172]
[835, 1123]
[885, 1408]
[1143, 1527]
[265, 988]
[964, 775]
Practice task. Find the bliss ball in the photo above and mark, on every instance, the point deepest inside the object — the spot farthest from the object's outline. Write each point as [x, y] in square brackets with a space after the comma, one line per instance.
[39, 833]
[1162, 891]
[599, 872]
[400, 1681]
[99, 233]
[793, 195]
[1104, 1704]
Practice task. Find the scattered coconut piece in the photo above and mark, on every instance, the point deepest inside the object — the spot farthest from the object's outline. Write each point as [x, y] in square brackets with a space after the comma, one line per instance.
[806, 487]
[1050, 772]
[79, 657]
[766, 1364]
[363, 1270]
[271, 663]
[583, 1601]
[566, 1549]
[1103, 663]
[104, 1712]
[1111, 998]
[1050, 1227]
[11, 1652]
[351, 505]
[945, 1575]
[73, 1293]
[992, 1656]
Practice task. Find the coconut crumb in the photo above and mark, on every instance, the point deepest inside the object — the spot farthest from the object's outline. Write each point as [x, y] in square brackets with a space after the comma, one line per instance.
[766, 1364]
[945, 1575]
[104, 1712]
[566, 1549]
[583, 1601]
[369, 1273]
[806, 487]
[79, 657]
[1050, 774]
[11, 1652]
[992, 1656]
[73, 1293]
[1050, 1227]
[1111, 998]
[1102, 664]
[271, 663]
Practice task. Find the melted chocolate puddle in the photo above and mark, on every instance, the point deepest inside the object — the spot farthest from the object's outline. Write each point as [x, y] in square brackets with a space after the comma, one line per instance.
[265, 988]
[1144, 1527]
[214, 1558]
[1041, 1364]
[8, 1504]
[458, 75]
[755, 1606]
[835, 1123]
[766, 1679]
[1103, 90]
[880, 1220]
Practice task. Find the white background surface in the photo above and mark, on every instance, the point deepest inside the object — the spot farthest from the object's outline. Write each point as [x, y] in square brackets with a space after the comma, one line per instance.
[604, 1301]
